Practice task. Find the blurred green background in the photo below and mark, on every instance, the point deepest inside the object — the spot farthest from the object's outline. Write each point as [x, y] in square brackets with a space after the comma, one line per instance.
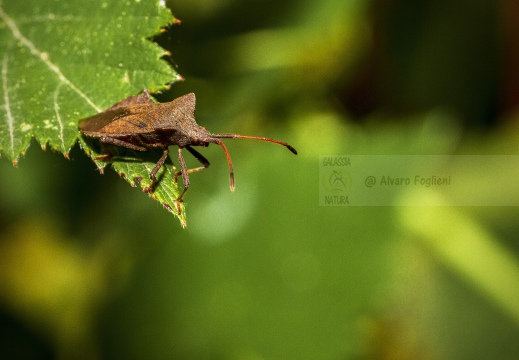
[90, 268]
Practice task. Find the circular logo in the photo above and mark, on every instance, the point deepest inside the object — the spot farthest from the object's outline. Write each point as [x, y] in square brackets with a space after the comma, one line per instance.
[336, 181]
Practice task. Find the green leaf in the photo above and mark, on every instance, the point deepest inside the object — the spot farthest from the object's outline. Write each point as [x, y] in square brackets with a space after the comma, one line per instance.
[61, 61]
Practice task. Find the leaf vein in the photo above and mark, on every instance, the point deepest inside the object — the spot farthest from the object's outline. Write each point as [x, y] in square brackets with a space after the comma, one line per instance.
[58, 116]
[7, 107]
[44, 57]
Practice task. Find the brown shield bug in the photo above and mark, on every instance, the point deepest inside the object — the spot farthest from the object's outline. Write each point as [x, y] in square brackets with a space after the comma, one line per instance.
[141, 124]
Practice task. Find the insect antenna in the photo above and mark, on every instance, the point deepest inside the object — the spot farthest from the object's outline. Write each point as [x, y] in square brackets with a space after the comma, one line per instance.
[229, 161]
[236, 136]
[216, 139]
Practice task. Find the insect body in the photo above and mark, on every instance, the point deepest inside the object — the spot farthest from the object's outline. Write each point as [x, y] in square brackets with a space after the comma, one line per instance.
[140, 124]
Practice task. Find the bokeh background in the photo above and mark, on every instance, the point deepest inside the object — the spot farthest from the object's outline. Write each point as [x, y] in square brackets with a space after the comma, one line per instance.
[90, 268]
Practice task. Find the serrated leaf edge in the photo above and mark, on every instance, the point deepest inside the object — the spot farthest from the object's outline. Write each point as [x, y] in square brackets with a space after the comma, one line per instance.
[43, 56]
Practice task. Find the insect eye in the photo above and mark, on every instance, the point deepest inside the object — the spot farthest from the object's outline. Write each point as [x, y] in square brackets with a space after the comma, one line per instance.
[142, 125]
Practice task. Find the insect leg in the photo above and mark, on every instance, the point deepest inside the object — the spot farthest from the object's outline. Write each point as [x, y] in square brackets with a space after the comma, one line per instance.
[117, 142]
[145, 95]
[153, 173]
[108, 154]
[199, 157]
[185, 177]
[121, 143]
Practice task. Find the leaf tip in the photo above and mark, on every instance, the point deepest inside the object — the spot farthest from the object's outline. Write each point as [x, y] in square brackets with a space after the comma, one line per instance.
[182, 219]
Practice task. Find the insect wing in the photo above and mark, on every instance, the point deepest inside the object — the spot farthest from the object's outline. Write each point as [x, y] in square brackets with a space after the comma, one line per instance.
[121, 121]
[139, 114]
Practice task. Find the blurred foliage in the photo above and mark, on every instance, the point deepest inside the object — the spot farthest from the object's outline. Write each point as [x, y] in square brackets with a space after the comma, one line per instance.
[90, 269]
